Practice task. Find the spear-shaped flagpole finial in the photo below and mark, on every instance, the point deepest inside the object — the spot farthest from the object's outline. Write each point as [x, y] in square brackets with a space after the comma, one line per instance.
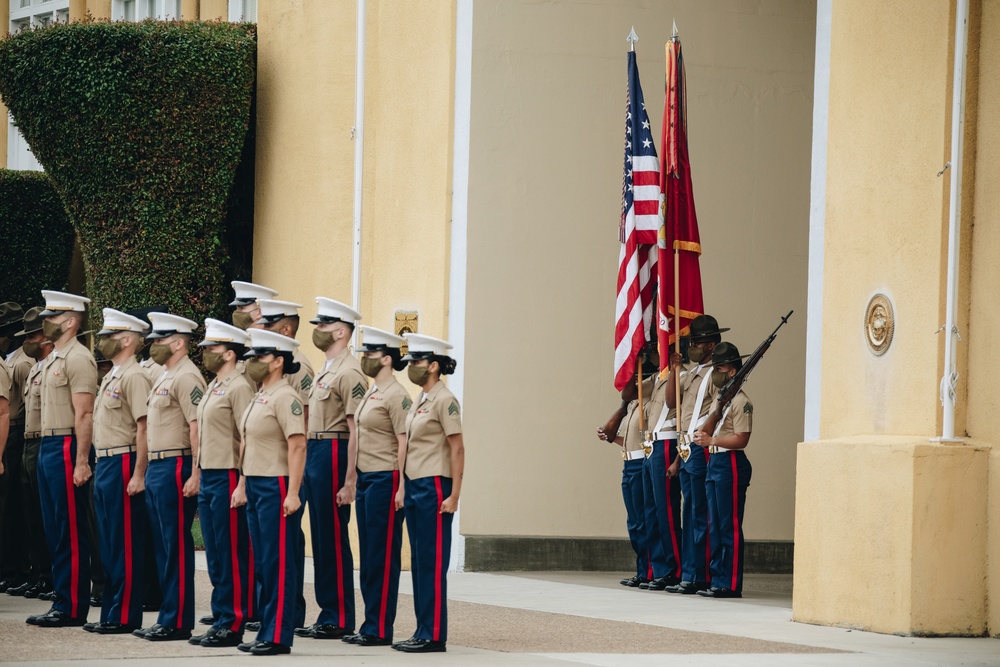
[632, 39]
[675, 35]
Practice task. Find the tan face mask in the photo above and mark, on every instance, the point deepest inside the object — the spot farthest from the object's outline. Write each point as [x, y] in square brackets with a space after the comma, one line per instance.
[242, 320]
[160, 353]
[323, 340]
[418, 374]
[51, 330]
[371, 366]
[213, 361]
[696, 354]
[33, 349]
[258, 370]
[109, 347]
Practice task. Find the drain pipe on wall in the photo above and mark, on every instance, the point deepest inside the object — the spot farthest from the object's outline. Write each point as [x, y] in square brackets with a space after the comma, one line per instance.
[358, 135]
[950, 378]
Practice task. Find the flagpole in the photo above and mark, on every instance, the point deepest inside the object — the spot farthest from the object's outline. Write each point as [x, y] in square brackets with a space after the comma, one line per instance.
[638, 373]
[675, 37]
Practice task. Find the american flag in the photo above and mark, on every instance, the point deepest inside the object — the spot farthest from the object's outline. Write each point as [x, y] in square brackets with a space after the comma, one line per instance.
[640, 224]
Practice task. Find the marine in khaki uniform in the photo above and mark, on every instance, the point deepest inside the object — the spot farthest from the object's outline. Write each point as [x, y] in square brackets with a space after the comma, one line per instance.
[69, 383]
[697, 394]
[728, 477]
[661, 491]
[15, 566]
[434, 463]
[273, 434]
[171, 480]
[119, 480]
[283, 317]
[331, 468]
[224, 527]
[631, 439]
[37, 348]
[381, 434]
[245, 315]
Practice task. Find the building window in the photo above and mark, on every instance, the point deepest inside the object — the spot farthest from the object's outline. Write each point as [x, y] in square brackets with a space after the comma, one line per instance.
[243, 10]
[24, 14]
[137, 10]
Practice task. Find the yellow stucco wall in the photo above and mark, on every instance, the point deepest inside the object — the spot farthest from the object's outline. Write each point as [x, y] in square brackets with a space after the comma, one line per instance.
[213, 9]
[881, 507]
[548, 93]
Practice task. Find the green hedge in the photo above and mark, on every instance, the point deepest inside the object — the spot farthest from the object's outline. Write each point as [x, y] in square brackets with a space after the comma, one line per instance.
[141, 127]
[35, 235]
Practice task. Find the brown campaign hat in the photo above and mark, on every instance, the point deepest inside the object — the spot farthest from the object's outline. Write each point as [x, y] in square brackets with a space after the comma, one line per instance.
[704, 326]
[10, 313]
[32, 321]
[726, 353]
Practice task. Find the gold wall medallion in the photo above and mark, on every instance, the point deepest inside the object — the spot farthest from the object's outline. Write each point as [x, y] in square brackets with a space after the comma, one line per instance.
[405, 323]
[879, 324]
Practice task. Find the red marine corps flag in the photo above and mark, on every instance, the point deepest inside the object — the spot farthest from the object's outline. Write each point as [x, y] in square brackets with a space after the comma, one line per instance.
[680, 298]
[640, 222]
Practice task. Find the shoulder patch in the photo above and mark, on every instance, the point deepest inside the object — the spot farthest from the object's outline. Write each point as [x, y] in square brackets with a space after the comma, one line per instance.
[196, 395]
[453, 408]
[748, 409]
[296, 408]
[306, 383]
[359, 391]
[407, 403]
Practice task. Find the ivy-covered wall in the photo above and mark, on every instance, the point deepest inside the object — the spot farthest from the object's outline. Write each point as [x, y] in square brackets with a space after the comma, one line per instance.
[141, 127]
[36, 237]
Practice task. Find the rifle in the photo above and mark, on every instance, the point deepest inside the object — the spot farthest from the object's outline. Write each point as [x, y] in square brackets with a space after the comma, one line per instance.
[729, 390]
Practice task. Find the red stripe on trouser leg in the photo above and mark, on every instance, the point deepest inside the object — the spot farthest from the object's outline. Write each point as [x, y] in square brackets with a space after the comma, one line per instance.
[74, 537]
[334, 457]
[234, 537]
[388, 555]
[251, 582]
[437, 564]
[281, 563]
[127, 517]
[708, 531]
[179, 478]
[670, 512]
[736, 521]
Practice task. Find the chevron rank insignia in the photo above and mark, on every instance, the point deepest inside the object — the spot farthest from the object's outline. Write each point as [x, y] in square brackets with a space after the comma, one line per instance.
[307, 382]
[196, 395]
[359, 391]
[296, 408]
[407, 403]
[748, 409]
[453, 408]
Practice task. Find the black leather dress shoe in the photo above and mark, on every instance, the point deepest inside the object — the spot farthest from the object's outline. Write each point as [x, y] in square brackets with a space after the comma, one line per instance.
[396, 645]
[96, 600]
[19, 591]
[39, 588]
[686, 588]
[56, 619]
[633, 582]
[422, 646]
[90, 627]
[326, 631]
[5, 584]
[351, 639]
[661, 583]
[299, 632]
[370, 640]
[720, 593]
[208, 619]
[141, 632]
[113, 629]
[165, 634]
[246, 646]
[222, 638]
[48, 596]
[196, 639]
[253, 625]
[270, 648]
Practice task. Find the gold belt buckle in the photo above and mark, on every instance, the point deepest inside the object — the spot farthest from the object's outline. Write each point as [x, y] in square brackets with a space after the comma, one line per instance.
[647, 446]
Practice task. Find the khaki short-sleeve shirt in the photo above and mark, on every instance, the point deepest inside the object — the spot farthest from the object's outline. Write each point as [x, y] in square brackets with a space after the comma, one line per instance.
[219, 413]
[431, 420]
[654, 407]
[273, 416]
[71, 370]
[302, 381]
[5, 382]
[152, 369]
[172, 405]
[336, 392]
[739, 418]
[33, 399]
[120, 403]
[690, 384]
[20, 365]
[381, 415]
